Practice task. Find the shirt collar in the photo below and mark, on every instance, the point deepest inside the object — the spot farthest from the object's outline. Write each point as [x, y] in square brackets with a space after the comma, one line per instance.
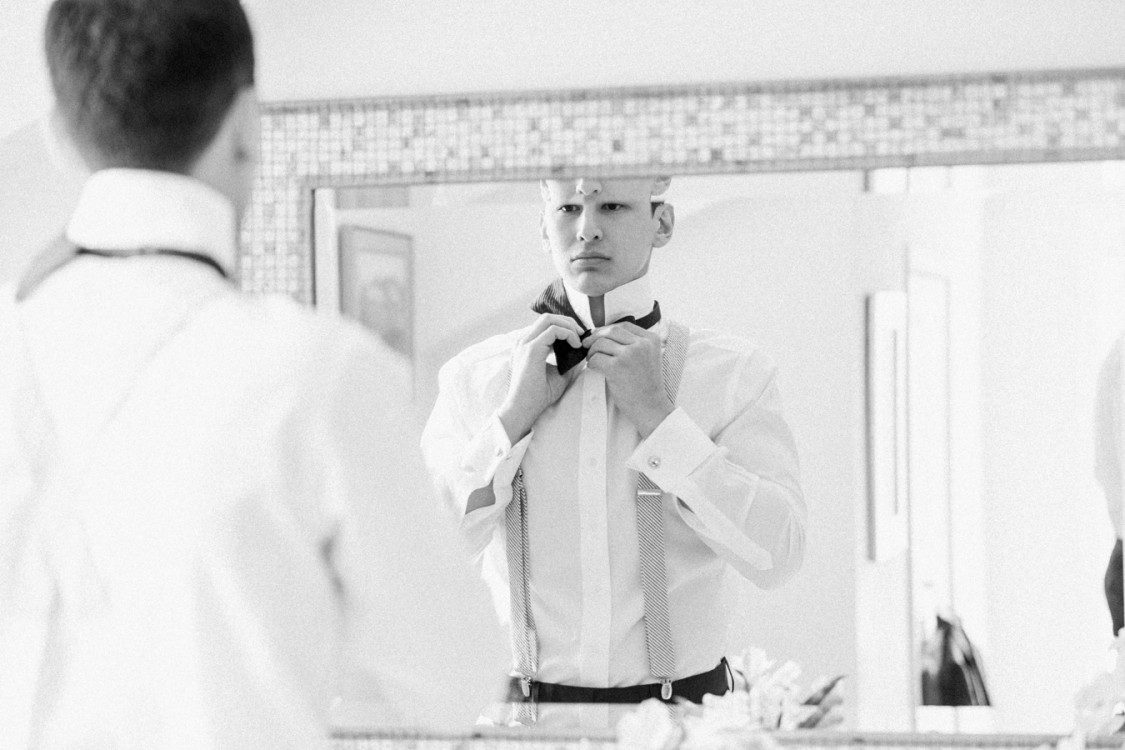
[125, 210]
[633, 298]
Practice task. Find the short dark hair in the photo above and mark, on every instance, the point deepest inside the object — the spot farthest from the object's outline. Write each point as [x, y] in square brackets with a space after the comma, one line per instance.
[147, 83]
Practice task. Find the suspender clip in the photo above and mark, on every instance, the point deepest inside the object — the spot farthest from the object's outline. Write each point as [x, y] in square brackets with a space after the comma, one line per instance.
[666, 689]
[525, 686]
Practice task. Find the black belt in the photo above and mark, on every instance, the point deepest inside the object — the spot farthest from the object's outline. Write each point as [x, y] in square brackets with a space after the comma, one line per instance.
[712, 682]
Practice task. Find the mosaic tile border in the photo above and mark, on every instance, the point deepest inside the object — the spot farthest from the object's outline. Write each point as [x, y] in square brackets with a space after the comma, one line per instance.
[724, 128]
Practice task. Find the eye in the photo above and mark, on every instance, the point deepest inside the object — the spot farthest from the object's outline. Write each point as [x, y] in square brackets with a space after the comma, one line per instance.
[569, 208]
[613, 207]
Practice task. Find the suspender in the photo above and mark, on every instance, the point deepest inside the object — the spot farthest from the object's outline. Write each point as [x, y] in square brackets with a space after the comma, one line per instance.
[61, 251]
[651, 543]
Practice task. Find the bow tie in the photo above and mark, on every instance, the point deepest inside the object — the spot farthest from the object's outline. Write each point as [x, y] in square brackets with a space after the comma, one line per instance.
[553, 300]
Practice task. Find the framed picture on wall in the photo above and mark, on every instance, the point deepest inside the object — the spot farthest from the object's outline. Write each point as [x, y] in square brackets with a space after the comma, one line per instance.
[376, 284]
[887, 466]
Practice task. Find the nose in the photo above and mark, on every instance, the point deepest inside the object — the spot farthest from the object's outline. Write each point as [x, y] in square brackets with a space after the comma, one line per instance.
[588, 228]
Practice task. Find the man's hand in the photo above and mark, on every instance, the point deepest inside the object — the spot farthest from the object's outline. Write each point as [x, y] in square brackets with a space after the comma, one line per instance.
[629, 357]
[535, 384]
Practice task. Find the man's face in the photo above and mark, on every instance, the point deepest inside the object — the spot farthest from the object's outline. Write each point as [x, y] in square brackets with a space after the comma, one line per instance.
[601, 232]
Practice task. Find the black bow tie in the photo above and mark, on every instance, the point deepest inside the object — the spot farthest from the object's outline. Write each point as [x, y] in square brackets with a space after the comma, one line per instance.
[553, 300]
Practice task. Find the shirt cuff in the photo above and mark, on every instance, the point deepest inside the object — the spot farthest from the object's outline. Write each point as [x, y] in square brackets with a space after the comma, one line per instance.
[493, 455]
[672, 452]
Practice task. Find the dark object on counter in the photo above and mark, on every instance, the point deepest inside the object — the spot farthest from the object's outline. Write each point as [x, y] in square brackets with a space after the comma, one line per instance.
[951, 671]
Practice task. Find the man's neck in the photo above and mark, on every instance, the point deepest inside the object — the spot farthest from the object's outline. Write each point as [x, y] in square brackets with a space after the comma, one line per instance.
[597, 310]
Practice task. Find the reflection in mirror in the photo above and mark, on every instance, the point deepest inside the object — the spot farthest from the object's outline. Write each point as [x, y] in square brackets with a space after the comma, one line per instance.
[1015, 290]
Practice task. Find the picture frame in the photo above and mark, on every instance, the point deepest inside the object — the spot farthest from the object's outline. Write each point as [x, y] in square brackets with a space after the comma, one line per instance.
[375, 284]
[887, 455]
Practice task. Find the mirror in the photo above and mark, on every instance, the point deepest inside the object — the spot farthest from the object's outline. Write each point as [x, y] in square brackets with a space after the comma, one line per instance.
[1014, 290]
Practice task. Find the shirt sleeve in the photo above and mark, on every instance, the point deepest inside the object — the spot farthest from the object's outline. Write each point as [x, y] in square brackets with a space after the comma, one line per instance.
[738, 491]
[470, 459]
[422, 643]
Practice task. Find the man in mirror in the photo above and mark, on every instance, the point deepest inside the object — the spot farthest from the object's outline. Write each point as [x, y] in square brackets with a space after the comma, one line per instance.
[609, 465]
[202, 491]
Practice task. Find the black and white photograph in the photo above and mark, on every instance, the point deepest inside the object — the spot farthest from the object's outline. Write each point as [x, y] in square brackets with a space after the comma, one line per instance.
[607, 374]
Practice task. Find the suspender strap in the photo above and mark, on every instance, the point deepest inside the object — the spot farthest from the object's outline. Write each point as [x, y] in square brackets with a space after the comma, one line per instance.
[523, 626]
[651, 542]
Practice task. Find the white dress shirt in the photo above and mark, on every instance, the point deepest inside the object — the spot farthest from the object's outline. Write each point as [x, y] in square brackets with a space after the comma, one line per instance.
[210, 517]
[725, 452]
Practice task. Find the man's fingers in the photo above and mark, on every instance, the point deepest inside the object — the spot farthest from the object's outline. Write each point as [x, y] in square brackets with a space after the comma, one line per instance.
[546, 320]
[598, 361]
[623, 333]
[556, 333]
[636, 330]
[605, 345]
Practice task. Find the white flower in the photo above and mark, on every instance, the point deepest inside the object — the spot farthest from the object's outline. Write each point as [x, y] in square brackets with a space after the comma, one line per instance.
[754, 664]
[1097, 707]
[650, 727]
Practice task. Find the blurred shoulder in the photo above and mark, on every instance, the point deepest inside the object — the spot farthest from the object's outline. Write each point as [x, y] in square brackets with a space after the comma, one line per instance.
[299, 341]
[482, 362]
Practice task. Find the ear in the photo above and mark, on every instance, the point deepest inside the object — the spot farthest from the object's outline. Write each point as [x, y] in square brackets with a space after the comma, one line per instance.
[246, 129]
[544, 241]
[665, 223]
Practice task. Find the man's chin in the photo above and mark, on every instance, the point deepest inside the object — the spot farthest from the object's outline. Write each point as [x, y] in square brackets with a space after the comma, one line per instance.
[592, 284]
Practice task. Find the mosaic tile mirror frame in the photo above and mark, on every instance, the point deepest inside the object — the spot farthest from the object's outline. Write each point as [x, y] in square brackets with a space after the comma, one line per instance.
[728, 128]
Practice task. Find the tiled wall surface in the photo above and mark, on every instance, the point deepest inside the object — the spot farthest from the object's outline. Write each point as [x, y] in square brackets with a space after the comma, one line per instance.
[1024, 117]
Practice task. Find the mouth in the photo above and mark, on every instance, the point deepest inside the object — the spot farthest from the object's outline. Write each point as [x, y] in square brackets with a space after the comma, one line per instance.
[588, 259]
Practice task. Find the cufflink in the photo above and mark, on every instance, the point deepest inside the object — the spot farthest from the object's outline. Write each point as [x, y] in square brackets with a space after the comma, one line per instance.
[654, 462]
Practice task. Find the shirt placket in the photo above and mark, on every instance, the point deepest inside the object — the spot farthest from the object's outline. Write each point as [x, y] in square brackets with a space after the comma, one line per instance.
[593, 654]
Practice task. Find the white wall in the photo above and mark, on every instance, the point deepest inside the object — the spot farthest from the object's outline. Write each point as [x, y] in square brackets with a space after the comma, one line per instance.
[23, 76]
[36, 197]
[1051, 269]
[313, 50]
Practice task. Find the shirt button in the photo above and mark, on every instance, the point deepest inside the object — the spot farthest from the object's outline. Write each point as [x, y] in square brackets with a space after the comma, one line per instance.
[591, 462]
[654, 462]
[499, 452]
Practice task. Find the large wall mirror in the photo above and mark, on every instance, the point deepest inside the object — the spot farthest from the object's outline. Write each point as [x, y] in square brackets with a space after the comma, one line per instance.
[992, 207]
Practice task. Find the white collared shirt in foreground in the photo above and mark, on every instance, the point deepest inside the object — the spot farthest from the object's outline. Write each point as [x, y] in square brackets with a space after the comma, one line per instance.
[725, 452]
[246, 530]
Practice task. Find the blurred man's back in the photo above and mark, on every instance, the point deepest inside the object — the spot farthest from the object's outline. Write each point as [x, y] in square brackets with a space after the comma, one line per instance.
[209, 505]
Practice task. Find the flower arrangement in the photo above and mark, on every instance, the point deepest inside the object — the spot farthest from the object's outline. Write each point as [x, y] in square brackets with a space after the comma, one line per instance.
[765, 697]
[1099, 707]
